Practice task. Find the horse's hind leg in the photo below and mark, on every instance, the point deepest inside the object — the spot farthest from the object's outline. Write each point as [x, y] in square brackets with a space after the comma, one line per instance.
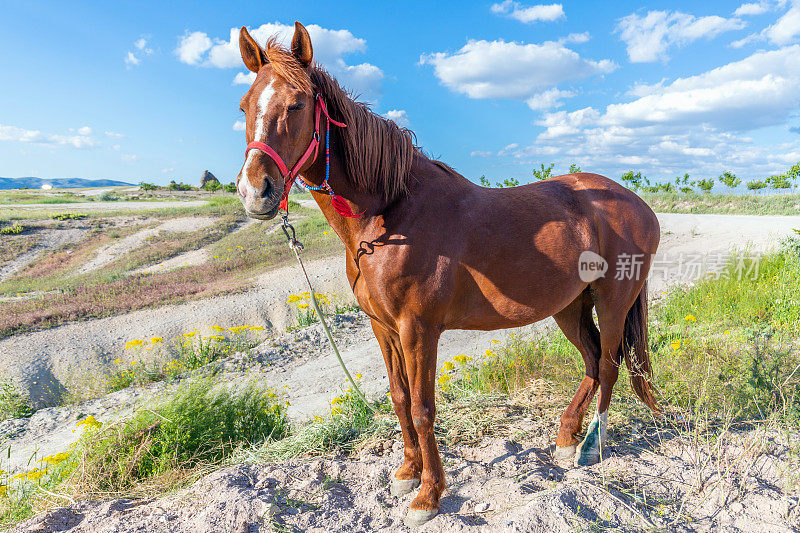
[578, 326]
[407, 477]
[613, 300]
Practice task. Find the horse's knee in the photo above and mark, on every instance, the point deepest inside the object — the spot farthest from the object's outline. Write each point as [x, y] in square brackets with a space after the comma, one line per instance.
[422, 416]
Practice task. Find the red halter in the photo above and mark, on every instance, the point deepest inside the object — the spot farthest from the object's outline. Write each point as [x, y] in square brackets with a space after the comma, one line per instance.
[313, 148]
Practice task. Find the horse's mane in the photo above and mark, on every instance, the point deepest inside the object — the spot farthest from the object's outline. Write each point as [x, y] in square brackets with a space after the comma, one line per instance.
[377, 153]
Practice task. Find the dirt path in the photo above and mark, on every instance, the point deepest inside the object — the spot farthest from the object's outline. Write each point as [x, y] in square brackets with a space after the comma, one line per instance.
[112, 251]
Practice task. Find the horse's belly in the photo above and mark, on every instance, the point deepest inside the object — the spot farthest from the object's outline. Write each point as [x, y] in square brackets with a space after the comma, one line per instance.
[512, 302]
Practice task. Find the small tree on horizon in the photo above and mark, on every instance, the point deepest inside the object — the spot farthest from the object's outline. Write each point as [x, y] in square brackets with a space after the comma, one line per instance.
[729, 179]
[706, 185]
[756, 185]
[574, 169]
[543, 172]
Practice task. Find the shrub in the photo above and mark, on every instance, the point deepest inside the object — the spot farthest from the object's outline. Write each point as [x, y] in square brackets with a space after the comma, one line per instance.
[69, 216]
[202, 422]
[756, 185]
[12, 403]
[231, 187]
[706, 185]
[108, 197]
[212, 185]
[14, 229]
[179, 186]
[729, 179]
[574, 169]
[780, 181]
[148, 186]
[631, 180]
[543, 172]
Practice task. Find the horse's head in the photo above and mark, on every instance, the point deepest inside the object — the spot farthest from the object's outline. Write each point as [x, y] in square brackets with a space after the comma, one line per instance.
[279, 111]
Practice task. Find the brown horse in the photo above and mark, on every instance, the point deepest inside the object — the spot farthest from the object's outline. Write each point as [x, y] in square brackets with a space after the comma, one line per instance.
[433, 251]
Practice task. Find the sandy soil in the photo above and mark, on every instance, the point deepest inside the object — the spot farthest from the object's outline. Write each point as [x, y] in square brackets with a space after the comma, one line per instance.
[499, 485]
[114, 250]
[524, 492]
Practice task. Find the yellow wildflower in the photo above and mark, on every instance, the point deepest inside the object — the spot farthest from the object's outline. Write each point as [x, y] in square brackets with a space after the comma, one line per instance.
[190, 334]
[117, 361]
[444, 379]
[691, 318]
[89, 422]
[676, 345]
[135, 343]
[336, 401]
[217, 328]
[35, 474]
[358, 376]
[156, 340]
[257, 328]
[448, 366]
[238, 329]
[294, 298]
[302, 306]
[460, 359]
[3, 491]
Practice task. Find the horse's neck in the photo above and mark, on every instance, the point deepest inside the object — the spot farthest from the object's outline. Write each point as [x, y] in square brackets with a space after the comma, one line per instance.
[349, 230]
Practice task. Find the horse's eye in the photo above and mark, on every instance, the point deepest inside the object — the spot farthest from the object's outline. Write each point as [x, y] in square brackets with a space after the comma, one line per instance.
[298, 105]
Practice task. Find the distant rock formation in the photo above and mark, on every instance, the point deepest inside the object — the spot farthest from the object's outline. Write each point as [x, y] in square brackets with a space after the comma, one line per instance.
[206, 177]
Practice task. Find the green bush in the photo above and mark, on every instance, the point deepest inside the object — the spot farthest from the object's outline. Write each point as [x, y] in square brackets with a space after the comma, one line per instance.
[212, 185]
[202, 422]
[108, 197]
[14, 229]
[543, 172]
[148, 186]
[230, 187]
[179, 186]
[12, 403]
[69, 216]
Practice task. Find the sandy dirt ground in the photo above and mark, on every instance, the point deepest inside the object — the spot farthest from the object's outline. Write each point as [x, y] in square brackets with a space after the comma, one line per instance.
[114, 250]
[549, 500]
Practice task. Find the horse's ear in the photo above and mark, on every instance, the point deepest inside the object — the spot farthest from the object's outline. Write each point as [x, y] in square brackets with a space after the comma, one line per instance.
[301, 45]
[253, 55]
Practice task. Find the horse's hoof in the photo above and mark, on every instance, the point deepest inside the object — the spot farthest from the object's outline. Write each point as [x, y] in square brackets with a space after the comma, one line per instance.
[588, 458]
[564, 456]
[401, 487]
[417, 517]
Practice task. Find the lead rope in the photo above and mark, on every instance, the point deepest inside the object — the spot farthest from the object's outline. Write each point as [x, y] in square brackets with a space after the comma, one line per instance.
[296, 246]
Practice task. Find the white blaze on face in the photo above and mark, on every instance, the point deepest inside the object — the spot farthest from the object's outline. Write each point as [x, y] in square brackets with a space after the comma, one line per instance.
[245, 187]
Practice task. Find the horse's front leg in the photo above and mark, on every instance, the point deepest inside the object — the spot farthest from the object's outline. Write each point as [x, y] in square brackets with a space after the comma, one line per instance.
[420, 342]
[407, 477]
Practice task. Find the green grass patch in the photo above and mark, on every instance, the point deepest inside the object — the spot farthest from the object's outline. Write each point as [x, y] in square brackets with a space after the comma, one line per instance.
[730, 204]
[12, 402]
[162, 447]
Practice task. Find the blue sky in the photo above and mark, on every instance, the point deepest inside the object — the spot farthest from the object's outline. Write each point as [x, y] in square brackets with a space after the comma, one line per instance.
[149, 91]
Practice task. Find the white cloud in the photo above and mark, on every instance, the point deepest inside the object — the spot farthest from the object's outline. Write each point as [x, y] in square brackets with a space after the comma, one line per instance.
[244, 78]
[129, 158]
[649, 37]
[197, 48]
[399, 116]
[500, 69]
[167, 170]
[131, 60]
[239, 125]
[575, 38]
[548, 99]
[698, 120]
[750, 9]
[15, 134]
[134, 57]
[529, 14]
[85, 130]
[114, 135]
[192, 47]
[787, 29]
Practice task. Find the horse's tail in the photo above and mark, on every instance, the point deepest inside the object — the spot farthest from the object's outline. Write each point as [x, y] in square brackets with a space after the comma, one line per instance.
[636, 350]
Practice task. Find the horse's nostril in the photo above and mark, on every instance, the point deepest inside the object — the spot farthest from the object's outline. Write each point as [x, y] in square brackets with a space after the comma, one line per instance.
[267, 187]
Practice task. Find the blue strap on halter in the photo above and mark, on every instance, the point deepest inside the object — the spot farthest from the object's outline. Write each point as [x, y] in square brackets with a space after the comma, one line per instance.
[324, 186]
